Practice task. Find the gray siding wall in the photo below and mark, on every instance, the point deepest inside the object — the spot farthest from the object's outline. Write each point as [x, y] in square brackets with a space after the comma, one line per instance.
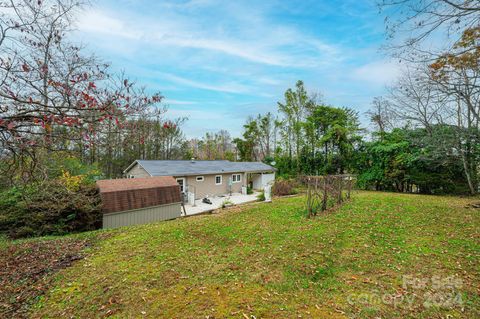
[208, 187]
[142, 216]
[138, 171]
[202, 189]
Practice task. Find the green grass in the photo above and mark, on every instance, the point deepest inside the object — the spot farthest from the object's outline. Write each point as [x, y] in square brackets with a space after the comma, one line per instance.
[3, 241]
[269, 261]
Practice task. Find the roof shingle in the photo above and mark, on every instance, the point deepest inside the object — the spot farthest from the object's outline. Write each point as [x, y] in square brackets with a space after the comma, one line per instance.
[188, 168]
[134, 193]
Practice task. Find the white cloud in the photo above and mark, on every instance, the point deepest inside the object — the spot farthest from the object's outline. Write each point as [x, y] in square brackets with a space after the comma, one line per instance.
[191, 49]
[381, 72]
[195, 114]
[227, 87]
[271, 45]
[178, 102]
[228, 47]
[97, 22]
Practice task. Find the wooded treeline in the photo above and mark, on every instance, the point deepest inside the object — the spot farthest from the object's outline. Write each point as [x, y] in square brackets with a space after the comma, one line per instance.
[67, 120]
[425, 135]
[54, 97]
[307, 136]
[428, 125]
[59, 103]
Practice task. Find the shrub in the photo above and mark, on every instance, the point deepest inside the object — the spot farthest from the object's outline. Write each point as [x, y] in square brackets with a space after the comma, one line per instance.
[49, 208]
[72, 183]
[261, 197]
[249, 190]
[71, 169]
[226, 203]
[284, 187]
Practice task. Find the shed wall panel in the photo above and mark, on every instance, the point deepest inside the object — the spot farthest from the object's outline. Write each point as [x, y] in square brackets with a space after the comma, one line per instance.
[142, 216]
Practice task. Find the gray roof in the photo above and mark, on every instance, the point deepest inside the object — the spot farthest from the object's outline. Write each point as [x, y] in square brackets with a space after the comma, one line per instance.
[187, 168]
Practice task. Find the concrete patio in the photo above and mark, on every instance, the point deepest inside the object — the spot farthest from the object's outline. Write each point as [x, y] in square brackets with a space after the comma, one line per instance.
[235, 199]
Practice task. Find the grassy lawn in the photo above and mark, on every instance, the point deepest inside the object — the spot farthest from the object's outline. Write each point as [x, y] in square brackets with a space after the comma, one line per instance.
[269, 261]
[27, 269]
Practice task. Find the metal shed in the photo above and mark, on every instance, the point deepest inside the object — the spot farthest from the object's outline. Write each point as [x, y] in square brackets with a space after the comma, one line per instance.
[133, 201]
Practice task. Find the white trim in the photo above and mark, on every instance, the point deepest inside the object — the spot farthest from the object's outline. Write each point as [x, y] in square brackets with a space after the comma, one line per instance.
[129, 167]
[183, 186]
[200, 178]
[239, 180]
[221, 179]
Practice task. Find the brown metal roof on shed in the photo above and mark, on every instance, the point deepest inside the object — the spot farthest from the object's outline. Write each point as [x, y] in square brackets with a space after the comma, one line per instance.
[133, 193]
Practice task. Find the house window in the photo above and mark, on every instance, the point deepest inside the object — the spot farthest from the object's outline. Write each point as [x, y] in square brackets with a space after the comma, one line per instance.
[218, 180]
[236, 178]
[200, 178]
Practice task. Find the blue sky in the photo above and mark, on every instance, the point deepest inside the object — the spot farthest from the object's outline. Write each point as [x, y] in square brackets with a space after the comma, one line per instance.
[218, 62]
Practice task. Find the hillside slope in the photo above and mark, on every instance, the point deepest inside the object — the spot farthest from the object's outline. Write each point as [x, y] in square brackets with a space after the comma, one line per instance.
[269, 261]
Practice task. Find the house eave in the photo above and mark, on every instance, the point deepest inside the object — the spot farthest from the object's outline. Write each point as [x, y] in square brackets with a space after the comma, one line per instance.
[262, 171]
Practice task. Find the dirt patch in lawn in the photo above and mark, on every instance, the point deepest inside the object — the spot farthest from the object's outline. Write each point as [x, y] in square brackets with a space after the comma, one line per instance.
[26, 270]
[473, 205]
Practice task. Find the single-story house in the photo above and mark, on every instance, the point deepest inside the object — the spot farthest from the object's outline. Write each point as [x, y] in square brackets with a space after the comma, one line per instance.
[128, 202]
[199, 179]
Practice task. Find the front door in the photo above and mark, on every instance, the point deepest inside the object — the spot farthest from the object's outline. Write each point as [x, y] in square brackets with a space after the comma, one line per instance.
[181, 182]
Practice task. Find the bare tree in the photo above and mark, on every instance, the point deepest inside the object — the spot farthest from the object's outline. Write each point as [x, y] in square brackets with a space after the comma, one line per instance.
[266, 127]
[457, 72]
[213, 146]
[380, 114]
[51, 92]
[442, 37]
[410, 23]
[413, 99]
[424, 100]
